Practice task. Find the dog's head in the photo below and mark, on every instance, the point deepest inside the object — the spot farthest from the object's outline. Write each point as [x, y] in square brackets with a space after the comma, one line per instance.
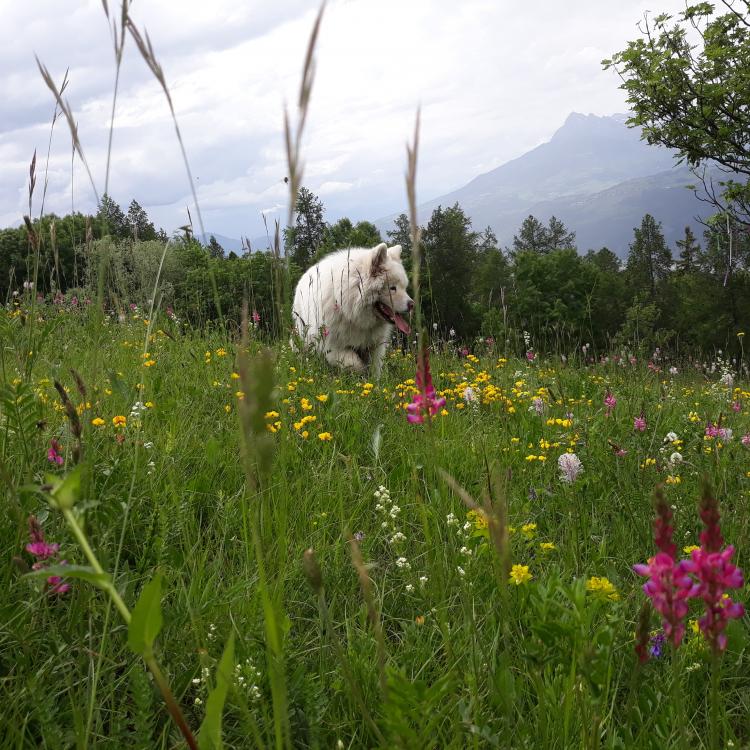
[390, 282]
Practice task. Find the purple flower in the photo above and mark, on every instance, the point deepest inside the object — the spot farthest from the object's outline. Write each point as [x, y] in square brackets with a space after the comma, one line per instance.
[639, 423]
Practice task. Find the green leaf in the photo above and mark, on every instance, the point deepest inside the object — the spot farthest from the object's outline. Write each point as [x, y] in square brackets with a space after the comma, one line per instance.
[84, 572]
[210, 731]
[66, 493]
[146, 619]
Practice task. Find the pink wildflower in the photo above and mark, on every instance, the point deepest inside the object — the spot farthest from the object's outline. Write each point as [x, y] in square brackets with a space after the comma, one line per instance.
[714, 574]
[530, 356]
[736, 406]
[570, 467]
[256, 318]
[669, 585]
[44, 551]
[712, 430]
[425, 402]
[639, 423]
[53, 454]
[746, 440]
[610, 402]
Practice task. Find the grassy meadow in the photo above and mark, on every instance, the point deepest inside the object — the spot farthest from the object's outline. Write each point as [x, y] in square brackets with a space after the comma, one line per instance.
[297, 516]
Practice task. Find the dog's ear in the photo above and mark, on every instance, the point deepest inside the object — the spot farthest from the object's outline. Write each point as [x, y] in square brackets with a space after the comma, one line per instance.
[395, 252]
[379, 255]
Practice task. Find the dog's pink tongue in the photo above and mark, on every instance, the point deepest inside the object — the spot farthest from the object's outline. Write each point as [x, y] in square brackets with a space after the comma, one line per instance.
[401, 324]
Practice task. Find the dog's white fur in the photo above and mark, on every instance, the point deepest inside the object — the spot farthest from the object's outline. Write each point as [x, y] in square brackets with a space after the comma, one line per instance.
[335, 305]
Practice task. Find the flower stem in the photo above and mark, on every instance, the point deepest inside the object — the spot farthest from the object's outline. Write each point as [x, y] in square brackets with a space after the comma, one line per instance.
[714, 708]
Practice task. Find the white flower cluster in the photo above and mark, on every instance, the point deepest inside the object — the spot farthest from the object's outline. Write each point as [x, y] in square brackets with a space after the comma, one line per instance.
[389, 512]
[462, 533]
[247, 677]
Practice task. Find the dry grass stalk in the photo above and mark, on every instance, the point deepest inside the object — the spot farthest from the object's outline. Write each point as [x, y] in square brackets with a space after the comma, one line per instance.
[365, 583]
[68, 112]
[494, 511]
[143, 42]
[76, 427]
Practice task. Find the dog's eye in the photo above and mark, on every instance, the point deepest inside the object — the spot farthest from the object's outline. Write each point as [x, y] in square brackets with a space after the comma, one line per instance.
[393, 288]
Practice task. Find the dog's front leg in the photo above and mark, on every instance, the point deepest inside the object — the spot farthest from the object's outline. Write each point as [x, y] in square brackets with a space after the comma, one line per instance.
[376, 361]
[346, 358]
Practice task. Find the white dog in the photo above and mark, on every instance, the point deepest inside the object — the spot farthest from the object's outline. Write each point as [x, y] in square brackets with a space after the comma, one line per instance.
[346, 304]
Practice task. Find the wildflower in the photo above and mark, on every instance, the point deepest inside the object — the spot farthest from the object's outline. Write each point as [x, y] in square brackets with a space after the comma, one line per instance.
[359, 535]
[537, 404]
[547, 547]
[403, 563]
[714, 574]
[530, 356]
[529, 530]
[570, 467]
[610, 402]
[38, 546]
[53, 453]
[669, 585]
[745, 440]
[43, 551]
[256, 318]
[602, 588]
[478, 519]
[325, 436]
[419, 619]
[520, 574]
[97, 422]
[639, 423]
[425, 401]
[656, 644]
[119, 421]
[322, 397]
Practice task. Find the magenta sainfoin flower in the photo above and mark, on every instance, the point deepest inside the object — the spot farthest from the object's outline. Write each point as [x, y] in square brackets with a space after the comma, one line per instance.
[610, 402]
[53, 454]
[425, 401]
[714, 574]
[669, 584]
[44, 551]
[639, 423]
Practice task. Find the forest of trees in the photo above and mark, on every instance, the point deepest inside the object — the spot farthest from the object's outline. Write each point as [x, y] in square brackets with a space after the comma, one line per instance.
[690, 298]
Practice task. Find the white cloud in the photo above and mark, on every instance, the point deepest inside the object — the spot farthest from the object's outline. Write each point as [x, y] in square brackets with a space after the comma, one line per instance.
[493, 80]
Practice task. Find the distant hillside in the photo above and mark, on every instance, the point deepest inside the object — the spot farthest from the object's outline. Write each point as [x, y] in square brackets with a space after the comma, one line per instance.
[595, 174]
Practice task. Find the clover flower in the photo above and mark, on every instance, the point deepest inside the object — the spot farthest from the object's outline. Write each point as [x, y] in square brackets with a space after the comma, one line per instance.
[570, 467]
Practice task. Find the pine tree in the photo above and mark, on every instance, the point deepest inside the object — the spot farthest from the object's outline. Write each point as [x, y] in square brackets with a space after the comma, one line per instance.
[532, 237]
[305, 238]
[401, 235]
[558, 236]
[649, 259]
[111, 219]
[689, 252]
[138, 223]
[215, 250]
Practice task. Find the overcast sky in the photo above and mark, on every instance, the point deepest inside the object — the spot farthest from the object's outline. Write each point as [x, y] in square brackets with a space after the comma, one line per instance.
[494, 79]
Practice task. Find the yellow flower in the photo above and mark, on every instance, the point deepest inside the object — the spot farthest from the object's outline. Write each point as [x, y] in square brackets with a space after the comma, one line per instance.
[673, 479]
[271, 415]
[529, 530]
[602, 588]
[221, 352]
[305, 434]
[149, 363]
[478, 518]
[520, 574]
[547, 546]
[227, 408]
[97, 421]
[322, 397]
[325, 436]
[690, 547]
[149, 404]
[119, 421]
[235, 376]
